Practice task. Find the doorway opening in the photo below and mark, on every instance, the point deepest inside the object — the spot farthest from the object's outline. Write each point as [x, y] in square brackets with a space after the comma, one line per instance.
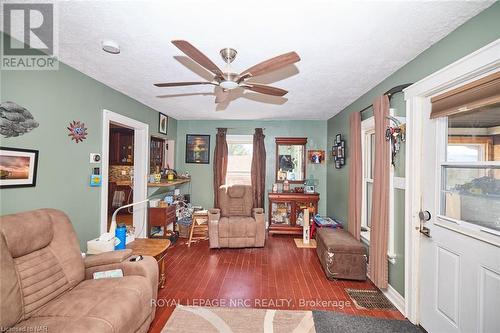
[120, 172]
[125, 156]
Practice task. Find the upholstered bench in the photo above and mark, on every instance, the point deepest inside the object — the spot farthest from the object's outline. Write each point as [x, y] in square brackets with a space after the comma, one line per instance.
[341, 255]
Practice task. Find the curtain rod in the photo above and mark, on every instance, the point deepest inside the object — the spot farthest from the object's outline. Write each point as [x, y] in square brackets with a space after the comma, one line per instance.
[390, 93]
[244, 128]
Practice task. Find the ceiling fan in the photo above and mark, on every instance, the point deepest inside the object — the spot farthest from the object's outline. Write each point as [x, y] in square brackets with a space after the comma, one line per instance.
[227, 80]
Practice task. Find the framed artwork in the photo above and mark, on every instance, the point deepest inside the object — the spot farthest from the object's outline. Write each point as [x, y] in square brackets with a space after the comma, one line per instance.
[162, 123]
[18, 167]
[316, 156]
[198, 148]
[338, 151]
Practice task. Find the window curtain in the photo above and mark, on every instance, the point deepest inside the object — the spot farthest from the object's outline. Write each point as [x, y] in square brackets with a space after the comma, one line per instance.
[355, 176]
[220, 163]
[379, 231]
[258, 168]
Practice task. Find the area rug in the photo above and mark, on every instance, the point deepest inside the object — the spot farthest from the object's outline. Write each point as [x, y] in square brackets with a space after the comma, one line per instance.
[369, 299]
[335, 322]
[300, 243]
[189, 319]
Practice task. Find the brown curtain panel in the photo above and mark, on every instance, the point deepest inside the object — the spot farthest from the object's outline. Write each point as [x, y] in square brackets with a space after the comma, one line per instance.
[379, 231]
[258, 168]
[220, 163]
[355, 176]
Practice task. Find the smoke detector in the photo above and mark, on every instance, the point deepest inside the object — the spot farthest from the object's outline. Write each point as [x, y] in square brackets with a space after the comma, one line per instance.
[110, 46]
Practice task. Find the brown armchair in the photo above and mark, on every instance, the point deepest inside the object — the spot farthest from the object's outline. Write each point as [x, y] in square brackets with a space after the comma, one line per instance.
[47, 286]
[236, 223]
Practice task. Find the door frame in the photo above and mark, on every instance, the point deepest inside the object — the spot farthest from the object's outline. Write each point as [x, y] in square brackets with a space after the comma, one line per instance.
[467, 69]
[141, 158]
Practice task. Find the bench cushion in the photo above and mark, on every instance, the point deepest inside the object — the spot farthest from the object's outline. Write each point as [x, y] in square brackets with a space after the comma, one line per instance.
[340, 241]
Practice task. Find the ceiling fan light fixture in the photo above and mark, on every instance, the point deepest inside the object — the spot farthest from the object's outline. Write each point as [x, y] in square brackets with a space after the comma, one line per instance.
[228, 85]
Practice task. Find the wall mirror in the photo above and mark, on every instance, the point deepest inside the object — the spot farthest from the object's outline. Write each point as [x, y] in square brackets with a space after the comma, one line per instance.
[291, 159]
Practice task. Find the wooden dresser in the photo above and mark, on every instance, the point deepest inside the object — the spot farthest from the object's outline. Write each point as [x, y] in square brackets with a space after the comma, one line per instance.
[286, 207]
[161, 217]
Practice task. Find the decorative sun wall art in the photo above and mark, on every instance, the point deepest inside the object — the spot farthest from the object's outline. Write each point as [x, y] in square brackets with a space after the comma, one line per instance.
[77, 131]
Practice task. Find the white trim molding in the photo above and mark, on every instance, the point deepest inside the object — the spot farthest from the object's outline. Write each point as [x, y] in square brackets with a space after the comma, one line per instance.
[141, 166]
[392, 295]
[472, 67]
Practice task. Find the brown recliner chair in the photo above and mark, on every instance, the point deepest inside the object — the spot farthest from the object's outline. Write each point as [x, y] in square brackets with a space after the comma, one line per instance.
[46, 285]
[236, 223]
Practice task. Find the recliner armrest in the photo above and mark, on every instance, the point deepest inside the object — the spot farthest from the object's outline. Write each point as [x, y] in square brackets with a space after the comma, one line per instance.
[214, 214]
[107, 258]
[213, 227]
[256, 211]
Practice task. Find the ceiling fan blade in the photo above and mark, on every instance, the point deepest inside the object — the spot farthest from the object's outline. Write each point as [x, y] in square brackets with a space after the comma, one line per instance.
[177, 84]
[268, 90]
[221, 95]
[198, 56]
[270, 65]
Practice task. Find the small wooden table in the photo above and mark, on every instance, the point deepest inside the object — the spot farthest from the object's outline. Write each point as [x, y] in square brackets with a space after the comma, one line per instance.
[156, 248]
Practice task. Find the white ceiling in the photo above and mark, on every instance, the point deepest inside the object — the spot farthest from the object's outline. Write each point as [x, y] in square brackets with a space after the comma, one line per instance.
[346, 48]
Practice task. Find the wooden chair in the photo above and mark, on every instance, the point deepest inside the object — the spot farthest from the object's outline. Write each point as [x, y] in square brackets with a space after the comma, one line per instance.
[199, 227]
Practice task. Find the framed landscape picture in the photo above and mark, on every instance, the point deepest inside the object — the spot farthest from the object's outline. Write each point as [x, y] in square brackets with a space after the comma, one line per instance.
[198, 148]
[18, 167]
[163, 123]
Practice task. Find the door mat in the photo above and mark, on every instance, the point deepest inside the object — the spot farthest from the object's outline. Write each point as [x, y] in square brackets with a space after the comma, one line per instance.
[370, 299]
[300, 243]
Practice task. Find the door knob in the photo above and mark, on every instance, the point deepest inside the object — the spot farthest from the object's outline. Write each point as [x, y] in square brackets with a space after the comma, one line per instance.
[424, 215]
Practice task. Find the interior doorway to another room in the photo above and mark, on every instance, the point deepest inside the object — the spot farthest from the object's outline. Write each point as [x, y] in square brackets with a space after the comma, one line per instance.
[120, 172]
[125, 159]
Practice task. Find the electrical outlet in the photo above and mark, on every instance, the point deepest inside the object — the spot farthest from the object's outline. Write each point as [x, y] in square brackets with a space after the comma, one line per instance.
[95, 158]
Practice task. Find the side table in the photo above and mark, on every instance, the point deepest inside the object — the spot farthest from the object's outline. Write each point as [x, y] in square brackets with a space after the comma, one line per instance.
[156, 248]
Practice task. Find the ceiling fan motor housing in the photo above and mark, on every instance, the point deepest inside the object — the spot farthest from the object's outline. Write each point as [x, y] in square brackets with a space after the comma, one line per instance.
[228, 54]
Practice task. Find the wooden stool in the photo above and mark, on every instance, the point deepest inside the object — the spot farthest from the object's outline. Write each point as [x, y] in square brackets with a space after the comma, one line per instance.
[199, 227]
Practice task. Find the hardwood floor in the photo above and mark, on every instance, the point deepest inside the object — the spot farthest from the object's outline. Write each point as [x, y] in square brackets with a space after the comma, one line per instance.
[278, 276]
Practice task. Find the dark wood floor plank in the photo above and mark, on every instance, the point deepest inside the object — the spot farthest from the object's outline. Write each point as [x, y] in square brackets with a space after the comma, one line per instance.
[259, 277]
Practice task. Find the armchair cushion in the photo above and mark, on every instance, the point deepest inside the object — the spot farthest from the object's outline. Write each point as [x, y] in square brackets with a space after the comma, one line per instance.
[104, 305]
[112, 257]
[236, 200]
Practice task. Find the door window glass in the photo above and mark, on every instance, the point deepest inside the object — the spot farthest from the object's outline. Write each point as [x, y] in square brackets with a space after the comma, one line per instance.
[470, 188]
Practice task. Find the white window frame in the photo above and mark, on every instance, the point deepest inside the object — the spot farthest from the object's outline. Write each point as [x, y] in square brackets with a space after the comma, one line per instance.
[368, 128]
[467, 228]
[238, 139]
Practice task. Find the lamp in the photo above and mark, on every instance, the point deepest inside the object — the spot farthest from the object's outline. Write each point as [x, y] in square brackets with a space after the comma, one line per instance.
[112, 227]
[106, 242]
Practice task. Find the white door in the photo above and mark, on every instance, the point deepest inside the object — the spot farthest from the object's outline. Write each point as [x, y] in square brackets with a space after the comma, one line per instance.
[459, 266]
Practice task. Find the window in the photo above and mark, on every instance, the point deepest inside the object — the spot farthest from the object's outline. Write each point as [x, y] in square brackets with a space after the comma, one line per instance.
[368, 147]
[239, 159]
[470, 176]
[396, 189]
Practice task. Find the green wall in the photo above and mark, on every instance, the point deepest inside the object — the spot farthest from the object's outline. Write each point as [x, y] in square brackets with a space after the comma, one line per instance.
[472, 35]
[55, 98]
[314, 130]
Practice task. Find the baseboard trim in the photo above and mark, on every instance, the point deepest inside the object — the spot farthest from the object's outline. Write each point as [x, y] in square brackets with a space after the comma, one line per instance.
[395, 298]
